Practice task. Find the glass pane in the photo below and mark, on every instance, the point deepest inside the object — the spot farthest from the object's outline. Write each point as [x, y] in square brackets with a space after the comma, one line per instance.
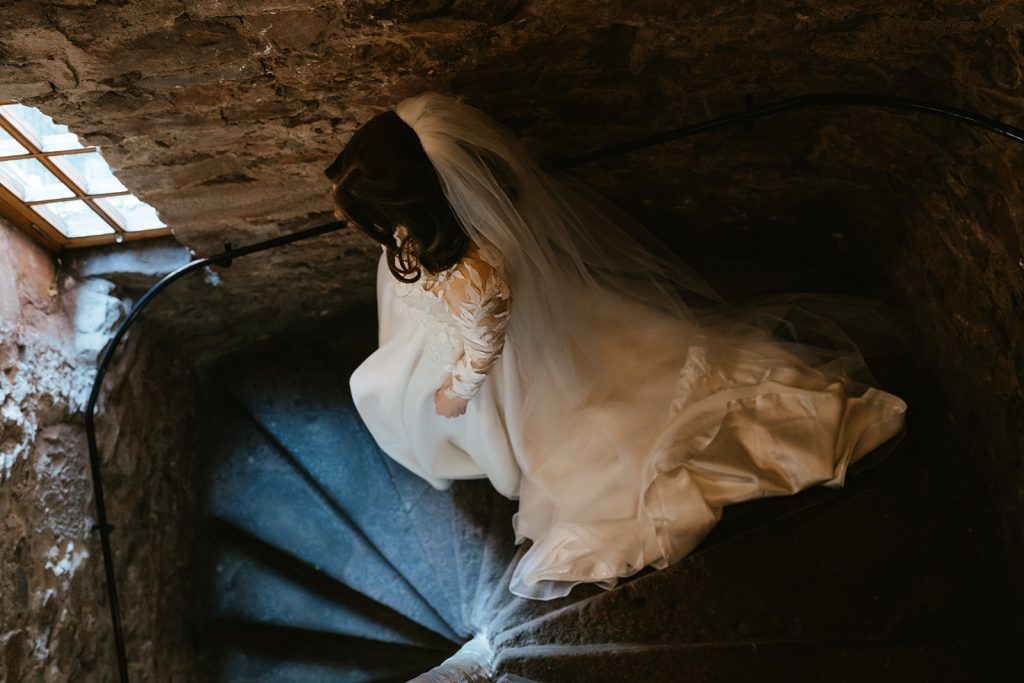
[90, 172]
[9, 146]
[131, 213]
[30, 181]
[40, 128]
[74, 218]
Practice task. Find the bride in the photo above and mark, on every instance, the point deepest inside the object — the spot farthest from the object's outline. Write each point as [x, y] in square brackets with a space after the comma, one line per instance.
[532, 334]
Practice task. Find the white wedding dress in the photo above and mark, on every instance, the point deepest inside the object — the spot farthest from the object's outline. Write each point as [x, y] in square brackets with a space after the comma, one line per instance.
[677, 424]
[621, 417]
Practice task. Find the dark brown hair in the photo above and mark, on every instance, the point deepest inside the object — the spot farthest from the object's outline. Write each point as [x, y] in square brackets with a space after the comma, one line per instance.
[384, 180]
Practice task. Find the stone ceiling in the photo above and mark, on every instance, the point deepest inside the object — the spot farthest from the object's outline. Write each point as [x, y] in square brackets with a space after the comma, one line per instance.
[222, 114]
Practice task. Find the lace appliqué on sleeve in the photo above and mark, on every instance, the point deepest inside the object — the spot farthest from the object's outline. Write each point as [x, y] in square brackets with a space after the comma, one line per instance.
[477, 295]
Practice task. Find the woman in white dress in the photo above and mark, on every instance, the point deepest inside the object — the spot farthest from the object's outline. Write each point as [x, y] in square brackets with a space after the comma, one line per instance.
[532, 334]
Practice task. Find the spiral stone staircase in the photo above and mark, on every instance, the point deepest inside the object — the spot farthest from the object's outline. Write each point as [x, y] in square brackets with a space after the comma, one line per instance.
[323, 560]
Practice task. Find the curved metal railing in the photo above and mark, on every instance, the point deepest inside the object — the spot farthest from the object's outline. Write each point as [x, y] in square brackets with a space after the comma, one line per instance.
[226, 257]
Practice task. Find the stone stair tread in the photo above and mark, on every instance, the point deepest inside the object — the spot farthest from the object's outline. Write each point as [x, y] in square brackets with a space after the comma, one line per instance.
[499, 549]
[265, 653]
[478, 532]
[410, 487]
[457, 527]
[483, 514]
[255, 582]
[953, 658]
[738, 521]
[902, 544]
[254, 487]
[451, 524]
[309, 411]
[430, 515]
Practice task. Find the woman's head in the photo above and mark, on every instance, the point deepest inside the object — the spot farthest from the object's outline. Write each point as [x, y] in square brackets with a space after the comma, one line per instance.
[383, 181]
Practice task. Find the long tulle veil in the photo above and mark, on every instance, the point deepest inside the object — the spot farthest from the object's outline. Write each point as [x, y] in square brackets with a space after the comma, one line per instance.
[564, 247]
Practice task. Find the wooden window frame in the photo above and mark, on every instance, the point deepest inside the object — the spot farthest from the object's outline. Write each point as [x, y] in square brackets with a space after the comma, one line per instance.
[21, 214]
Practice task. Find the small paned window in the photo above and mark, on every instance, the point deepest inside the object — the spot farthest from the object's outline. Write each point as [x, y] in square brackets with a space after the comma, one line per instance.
[60, 192]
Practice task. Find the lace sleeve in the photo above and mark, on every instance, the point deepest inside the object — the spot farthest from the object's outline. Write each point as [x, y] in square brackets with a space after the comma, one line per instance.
[477, 295]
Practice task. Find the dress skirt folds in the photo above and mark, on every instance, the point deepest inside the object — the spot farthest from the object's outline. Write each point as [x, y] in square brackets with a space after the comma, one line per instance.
[681, 421]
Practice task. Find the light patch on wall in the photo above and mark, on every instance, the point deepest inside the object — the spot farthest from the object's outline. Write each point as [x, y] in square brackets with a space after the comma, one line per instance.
[63, 562]
[211, 277]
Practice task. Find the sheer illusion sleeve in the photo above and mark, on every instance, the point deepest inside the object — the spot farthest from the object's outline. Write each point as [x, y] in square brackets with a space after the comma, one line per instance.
[478, 296]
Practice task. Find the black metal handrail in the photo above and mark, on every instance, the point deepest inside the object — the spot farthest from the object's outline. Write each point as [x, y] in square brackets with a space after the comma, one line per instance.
[226, 257]
[804, 101]
[102, 524]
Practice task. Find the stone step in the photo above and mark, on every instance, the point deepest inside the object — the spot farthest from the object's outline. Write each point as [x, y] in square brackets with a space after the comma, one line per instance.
[953, 658]
[738, 521]
[304, 403]
[510, 613]
[474, 503]
[458, 526]
[498, 597]
[256, 487]
[252, 581]
[252, 652]
[430, 515]
[499, 549]
[460, 529]
[898, 556]
[513, 678]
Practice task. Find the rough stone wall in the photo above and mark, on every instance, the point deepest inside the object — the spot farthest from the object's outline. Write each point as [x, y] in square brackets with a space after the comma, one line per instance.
[54, 616]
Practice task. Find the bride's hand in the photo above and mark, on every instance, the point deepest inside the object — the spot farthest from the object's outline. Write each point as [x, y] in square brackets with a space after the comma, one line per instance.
[448, 407]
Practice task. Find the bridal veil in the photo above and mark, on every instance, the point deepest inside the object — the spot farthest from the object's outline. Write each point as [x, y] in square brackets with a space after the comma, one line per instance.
[564, 246]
